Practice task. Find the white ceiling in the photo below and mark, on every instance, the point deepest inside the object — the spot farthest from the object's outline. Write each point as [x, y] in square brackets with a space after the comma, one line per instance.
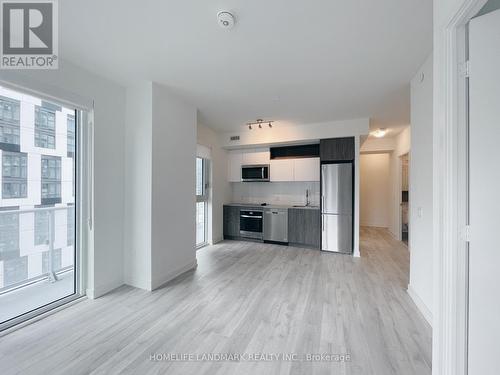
[291, 60]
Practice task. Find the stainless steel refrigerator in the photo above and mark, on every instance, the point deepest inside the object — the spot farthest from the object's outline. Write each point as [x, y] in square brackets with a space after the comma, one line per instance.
[337, 207]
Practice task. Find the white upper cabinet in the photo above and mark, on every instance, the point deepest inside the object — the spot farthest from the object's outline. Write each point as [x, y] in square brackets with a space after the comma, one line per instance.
[306, 169]
[281, 170]
[255, 156]
[234, 162]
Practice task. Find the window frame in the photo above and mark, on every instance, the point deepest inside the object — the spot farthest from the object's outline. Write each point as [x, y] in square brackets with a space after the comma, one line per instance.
[15, 180]
[13, 124]
[70, 135]
[44, 131]
[49, 198]
[83, 185]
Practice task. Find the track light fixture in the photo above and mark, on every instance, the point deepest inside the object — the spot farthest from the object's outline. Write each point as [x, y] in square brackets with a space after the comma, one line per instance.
[259, 122]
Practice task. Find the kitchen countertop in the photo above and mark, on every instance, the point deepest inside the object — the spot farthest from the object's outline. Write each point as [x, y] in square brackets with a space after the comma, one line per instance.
[275, 206]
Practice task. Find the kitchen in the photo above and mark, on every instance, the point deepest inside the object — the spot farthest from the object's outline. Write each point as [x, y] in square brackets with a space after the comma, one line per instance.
[298, 195]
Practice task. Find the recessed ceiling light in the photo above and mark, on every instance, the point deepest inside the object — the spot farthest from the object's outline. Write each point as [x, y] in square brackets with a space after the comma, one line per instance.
[379, 133]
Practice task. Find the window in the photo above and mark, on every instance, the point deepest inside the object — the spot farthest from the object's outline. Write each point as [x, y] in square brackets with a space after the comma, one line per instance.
[56, 261]
[39, 265]
[15, 271]
[71, 135]
[9, 123]
[70, 226]
[45, 127]
[14, 175]
[9, 235]
[201, 201]
[51, 179]
[42, 227]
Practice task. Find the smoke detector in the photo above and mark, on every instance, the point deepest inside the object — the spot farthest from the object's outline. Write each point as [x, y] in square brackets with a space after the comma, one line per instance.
[226, 20]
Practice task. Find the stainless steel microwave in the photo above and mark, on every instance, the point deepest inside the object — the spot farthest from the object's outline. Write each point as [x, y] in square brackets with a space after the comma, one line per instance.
[258, 172]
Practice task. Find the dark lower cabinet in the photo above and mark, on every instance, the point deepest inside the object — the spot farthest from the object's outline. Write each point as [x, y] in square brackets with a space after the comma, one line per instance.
[337, 149]
[304, 227]
[231, 221]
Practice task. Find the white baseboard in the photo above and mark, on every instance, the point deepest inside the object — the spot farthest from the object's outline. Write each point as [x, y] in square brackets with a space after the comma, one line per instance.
[101, 290]
[217, 240]
[172, 275]
[422, 307]
[374, 225]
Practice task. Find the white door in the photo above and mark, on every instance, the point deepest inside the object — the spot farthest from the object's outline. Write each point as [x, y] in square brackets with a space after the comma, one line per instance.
[484, 262]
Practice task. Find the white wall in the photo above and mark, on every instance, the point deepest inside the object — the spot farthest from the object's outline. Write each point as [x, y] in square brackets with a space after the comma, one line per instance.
[173, 186]
[421, 185]
[137, 203]
[282, 133]
[379, 145]
[220, 190]
[160, 201]
[375, 190]
[72, 83]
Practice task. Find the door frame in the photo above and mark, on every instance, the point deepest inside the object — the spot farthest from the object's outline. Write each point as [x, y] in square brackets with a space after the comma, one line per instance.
[205, 199]
[450, 192]
[400, 197]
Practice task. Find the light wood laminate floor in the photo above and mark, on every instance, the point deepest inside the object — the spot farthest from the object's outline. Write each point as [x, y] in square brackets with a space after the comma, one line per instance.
[243, 298]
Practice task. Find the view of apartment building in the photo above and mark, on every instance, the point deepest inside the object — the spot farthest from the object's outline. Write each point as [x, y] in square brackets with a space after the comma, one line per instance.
[37, 147]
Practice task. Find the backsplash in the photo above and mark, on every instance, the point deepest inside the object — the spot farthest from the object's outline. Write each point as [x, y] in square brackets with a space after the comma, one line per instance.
[285, 193]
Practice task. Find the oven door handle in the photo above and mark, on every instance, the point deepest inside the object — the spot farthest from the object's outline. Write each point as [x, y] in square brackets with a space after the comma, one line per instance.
[251, 217]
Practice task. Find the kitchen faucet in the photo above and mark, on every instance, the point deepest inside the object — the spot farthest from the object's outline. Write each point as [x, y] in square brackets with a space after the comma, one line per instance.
[307, 198]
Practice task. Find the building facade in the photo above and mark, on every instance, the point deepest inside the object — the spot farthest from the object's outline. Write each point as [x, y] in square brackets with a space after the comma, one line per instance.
[37, 188]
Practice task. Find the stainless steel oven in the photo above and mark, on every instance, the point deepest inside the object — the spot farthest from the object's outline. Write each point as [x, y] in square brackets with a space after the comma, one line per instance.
[251, 224]
[250, 173]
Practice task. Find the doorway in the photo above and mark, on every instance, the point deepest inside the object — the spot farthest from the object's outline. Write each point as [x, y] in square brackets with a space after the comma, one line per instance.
[404, 194]
[202, 198]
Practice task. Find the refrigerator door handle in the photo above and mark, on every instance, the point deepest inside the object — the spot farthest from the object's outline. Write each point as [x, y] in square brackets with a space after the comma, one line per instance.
[322, 223]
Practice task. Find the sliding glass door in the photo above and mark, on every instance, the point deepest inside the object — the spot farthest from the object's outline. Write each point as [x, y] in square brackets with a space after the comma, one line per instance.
[39, 263]
[201, 202]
